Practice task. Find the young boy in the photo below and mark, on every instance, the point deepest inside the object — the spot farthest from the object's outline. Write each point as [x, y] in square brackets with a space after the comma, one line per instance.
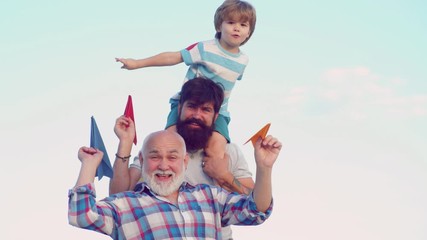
[219, 59]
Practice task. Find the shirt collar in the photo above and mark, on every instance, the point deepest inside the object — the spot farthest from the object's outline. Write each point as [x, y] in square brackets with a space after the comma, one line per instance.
[142, 187]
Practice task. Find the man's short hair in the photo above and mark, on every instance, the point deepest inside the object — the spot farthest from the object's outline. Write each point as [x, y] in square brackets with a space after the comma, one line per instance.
[201, 91]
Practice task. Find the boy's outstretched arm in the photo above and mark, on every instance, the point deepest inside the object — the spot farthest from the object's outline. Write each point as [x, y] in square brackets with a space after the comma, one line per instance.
[159, 60]
[90, 159]
[266, 153]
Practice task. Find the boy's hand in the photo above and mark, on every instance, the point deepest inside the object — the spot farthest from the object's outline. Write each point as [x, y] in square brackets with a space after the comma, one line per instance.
[128, 63]
[90, 156]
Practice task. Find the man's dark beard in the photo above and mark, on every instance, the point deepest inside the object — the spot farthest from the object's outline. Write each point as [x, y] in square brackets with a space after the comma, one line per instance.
[195, 138]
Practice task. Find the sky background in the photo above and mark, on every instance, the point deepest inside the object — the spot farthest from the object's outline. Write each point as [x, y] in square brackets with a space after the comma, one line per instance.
[343, 83]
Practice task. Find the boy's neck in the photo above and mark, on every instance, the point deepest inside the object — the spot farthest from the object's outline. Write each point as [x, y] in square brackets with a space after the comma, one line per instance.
[229, 48]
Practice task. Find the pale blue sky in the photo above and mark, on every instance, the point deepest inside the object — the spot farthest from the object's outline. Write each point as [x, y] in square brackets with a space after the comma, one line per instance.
[343, 83]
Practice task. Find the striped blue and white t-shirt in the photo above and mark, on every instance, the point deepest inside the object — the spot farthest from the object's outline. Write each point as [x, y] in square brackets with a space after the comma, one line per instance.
[208, 59]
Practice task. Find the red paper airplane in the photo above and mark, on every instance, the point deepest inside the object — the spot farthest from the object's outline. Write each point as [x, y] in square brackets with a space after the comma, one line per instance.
[260, 134]
[129, 113]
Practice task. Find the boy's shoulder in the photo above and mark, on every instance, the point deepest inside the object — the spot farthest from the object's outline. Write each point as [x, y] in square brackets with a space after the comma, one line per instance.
[204, 42]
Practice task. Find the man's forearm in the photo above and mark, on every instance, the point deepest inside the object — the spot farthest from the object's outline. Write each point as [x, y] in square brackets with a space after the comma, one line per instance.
[263, 191]
[86, 175]
[120, 181]
[233, 184]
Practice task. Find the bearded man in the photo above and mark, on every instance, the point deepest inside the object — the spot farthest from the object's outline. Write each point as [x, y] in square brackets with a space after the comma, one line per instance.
[197, 110]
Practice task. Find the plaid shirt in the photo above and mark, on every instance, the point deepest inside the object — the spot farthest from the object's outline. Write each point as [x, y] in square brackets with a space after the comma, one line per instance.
[200, 212]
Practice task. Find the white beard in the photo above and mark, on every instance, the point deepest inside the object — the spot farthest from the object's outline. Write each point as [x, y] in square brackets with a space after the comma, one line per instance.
[163, 188]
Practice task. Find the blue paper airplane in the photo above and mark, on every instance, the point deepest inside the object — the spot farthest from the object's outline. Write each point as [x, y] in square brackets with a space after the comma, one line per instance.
[104, 168]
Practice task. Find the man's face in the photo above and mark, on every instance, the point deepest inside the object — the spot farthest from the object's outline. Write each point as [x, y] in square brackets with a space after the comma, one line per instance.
[203, 112]
[164, 161]
[195, 124]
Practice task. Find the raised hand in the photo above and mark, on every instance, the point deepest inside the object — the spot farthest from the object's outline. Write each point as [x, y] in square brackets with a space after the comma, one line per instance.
[125, 128]
[266, 151]
[90, 156]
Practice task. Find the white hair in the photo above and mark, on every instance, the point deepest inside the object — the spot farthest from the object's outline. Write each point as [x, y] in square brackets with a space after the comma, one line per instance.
[163, 189]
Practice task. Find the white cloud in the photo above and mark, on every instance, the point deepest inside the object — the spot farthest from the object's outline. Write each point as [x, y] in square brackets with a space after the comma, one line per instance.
[355, 93]
[296, 95]
[342, 73]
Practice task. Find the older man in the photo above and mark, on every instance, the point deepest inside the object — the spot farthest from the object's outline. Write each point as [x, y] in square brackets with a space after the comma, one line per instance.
[165, 206]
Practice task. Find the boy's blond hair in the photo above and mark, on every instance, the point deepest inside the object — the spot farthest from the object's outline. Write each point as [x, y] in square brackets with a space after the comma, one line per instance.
[238, 11]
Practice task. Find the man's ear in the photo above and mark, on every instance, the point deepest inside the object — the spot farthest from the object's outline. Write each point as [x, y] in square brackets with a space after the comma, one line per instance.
[140, 158]
[186, 158]
[216, 116]
[179, 109]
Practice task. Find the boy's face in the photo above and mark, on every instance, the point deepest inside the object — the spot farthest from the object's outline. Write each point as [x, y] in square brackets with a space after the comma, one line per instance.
[233, 33]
